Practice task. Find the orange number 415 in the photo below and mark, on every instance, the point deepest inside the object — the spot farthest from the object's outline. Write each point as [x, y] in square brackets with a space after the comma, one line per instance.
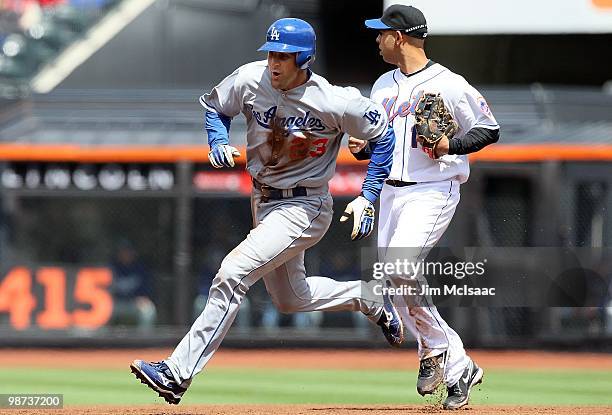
[91, 289]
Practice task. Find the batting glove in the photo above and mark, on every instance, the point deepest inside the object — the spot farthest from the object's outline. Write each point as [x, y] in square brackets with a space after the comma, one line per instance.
[363, 217]
[222, 155]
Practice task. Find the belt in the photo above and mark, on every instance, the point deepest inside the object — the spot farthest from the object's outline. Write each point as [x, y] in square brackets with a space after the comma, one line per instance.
[271, 193]
[399, 183]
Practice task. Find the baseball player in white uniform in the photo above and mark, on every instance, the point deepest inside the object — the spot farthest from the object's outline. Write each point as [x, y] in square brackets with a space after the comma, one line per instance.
[295, 121]
[419, 199]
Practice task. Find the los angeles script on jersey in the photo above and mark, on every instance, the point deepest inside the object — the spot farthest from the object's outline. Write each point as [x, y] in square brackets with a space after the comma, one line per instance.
[305, 122]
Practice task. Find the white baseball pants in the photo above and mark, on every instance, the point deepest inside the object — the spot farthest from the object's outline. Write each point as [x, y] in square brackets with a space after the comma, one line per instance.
[415, 217]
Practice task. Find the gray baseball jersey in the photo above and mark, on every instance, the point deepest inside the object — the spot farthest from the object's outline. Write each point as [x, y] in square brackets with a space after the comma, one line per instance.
[293, 139]
[294, 136]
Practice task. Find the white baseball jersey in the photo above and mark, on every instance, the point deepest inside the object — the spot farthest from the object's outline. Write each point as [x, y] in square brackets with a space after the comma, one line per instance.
[293, 137]
[399, 95]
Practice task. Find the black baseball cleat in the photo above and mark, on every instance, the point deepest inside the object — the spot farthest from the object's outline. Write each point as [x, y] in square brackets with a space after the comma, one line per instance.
[431, 374]
[459, 393]
[391, 323]
[157, 376]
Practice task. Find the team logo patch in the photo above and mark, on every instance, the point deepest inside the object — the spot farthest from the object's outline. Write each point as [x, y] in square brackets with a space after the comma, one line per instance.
[274, 34]
[372, 116]
[484, 107]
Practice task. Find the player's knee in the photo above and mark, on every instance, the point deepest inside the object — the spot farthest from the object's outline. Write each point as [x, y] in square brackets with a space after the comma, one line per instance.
[285, 308]
[230, 277]
[230, 270]
[287, 305]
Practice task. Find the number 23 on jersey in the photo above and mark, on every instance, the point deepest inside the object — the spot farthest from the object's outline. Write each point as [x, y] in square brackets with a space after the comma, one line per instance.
[303, 146]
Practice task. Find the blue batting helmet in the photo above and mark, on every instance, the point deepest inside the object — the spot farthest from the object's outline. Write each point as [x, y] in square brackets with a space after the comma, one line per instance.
[291, 35]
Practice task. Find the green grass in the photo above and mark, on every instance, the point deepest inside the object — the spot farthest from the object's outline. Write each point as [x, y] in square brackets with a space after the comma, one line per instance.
[526, 387]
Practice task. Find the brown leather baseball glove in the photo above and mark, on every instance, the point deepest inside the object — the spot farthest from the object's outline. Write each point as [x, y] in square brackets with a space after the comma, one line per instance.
[433, 122]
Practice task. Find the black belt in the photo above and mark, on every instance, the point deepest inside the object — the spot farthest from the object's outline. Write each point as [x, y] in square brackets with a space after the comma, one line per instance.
[399, 183]
[271, 193]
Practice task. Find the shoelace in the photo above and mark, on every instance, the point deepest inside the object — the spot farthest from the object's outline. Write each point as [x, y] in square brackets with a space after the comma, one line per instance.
[162, 367]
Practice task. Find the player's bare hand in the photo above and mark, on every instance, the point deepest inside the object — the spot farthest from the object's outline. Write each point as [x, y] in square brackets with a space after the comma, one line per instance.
[442, 147]
[439, 150]
[363, 217]
[356, 145]
[222, 155]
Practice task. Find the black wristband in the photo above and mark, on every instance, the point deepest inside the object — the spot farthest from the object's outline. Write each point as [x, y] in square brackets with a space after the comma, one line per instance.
[475, 139]
[363, 154]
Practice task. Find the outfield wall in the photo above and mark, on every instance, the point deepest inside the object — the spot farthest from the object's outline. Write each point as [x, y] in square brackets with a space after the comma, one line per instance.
[75, 235]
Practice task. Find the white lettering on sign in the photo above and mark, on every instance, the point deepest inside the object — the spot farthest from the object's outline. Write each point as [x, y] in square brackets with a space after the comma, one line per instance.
[86, 177]
[136, 180]
[10, 179]
[161, 179]
[57, 178]
[32, 178]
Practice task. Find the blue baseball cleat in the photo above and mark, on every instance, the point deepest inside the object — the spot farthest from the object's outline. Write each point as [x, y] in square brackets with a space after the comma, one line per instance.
[391, 323]
[157, 376]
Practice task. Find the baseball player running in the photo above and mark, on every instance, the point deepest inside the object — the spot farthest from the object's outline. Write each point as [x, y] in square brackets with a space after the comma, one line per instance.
[296, 121]
[420, 197]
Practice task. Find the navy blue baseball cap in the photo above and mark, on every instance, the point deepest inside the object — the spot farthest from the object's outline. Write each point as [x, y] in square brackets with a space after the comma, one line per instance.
[407, 19]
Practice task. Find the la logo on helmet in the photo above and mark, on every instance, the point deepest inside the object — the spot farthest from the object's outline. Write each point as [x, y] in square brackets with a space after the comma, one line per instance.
[275, 34]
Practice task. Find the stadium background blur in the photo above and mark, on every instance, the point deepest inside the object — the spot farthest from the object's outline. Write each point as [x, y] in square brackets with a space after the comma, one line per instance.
[112, 224]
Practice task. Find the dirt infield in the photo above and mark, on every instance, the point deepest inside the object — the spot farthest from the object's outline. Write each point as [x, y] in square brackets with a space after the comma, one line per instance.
[302, 359]
[319, 410]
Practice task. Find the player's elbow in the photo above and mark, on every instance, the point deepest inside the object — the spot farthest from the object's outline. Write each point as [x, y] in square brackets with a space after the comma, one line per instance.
[381, 163]
[495, 135]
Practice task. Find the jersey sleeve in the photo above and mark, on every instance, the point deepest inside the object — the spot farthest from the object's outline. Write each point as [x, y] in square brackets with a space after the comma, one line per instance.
[472, 111]
[225, 98]
[363, 118]
[375, 93]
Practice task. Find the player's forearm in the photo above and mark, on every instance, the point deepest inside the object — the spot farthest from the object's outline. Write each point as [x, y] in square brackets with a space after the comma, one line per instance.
[379, 167]
[217, 127]
[475, 139]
